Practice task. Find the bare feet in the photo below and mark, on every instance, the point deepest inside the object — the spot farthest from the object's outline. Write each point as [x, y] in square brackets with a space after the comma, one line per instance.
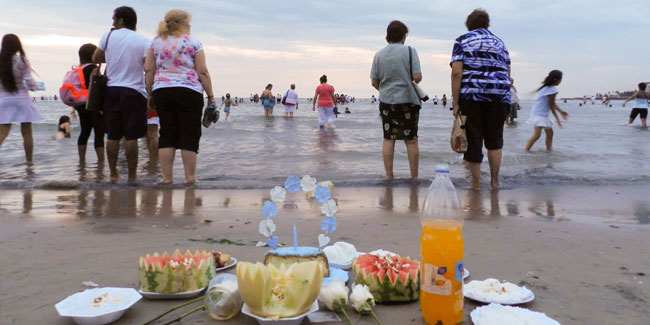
[191, 181]
[495, 185]
[114, 178]
[473, 187]
[390, 177]
[166, 181]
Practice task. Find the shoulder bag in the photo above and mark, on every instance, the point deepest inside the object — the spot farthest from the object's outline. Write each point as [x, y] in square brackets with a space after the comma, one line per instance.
[97, 85]
[423, 96]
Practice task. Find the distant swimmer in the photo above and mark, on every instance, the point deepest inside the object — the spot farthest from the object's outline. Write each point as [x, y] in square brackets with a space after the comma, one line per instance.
[545, 103]
[373, 99]
[593, 100]
[640, 107]
[63, 131]
[347, 110]
[435, 100]
[444, 100]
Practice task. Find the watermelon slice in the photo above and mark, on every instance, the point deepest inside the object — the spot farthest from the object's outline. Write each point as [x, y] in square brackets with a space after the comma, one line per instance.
[391, 278]
[176, 273]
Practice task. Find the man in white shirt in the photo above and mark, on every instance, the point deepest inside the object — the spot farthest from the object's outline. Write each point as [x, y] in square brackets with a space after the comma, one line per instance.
[125, 102]
[290, 101]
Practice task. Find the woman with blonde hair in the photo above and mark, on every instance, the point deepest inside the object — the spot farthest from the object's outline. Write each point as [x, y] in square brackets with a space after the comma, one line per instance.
[176, 76]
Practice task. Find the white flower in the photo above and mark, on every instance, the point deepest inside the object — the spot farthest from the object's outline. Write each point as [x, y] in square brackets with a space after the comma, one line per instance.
[267, 227]
[361, 299]
[308, 183]
[334, 295]
[278, 194]
[329, 208]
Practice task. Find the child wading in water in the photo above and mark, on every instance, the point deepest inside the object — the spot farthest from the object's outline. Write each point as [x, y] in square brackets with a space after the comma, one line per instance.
[545, 102]
[226, 109]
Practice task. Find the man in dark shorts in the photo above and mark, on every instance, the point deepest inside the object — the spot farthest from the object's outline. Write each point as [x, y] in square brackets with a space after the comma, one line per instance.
[480, 84]
[125, 104]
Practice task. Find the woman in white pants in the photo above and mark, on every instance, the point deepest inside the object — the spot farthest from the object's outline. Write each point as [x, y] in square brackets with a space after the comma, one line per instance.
[326, 103]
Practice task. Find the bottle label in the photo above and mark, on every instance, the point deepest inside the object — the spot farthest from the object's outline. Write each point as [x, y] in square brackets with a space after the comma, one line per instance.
[435, 280]
[459, 271]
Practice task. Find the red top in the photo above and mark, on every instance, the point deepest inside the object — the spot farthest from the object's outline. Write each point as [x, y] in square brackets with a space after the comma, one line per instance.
[325, 93]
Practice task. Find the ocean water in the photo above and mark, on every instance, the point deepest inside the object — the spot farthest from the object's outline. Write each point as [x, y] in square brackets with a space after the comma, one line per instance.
[595, 148]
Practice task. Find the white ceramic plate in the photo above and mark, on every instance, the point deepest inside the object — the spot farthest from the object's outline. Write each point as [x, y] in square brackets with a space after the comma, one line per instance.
[179, 295]
[503, 301]
[485, 315]
[231, 262]
[282, 321]
[79, 306]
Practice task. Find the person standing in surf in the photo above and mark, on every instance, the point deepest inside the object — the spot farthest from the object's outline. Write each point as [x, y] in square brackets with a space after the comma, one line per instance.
[640, 98]
[16, 105]
[480, 85]
[268, 100]
[545, 103]
[324, 96]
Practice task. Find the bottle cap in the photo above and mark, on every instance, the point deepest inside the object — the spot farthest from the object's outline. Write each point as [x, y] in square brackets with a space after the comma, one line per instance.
[442, 168]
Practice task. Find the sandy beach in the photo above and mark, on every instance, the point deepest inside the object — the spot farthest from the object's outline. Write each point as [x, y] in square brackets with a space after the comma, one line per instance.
[578, 249]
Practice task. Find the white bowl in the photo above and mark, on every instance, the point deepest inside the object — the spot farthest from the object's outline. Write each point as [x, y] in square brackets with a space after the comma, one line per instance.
[79, 306]
[296, 320]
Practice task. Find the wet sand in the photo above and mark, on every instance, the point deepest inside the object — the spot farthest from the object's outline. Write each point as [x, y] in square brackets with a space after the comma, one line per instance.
[582, 251]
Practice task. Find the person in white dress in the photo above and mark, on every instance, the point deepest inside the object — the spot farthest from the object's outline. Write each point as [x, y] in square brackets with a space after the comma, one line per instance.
[545, 103]
[16, 105]
[290, 101]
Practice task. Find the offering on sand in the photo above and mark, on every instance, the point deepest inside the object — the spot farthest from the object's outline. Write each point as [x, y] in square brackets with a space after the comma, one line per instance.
[494, 291]
[340, 254]
[291, 255]
[221, 259]
[279, 292]
[391, 278]
[494, 314]
[176, 273]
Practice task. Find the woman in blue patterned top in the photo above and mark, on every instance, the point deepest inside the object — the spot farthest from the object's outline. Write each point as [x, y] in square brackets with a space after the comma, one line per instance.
[480, 84]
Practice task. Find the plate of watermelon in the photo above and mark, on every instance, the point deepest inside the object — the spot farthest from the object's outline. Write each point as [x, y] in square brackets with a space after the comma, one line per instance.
[177, 295]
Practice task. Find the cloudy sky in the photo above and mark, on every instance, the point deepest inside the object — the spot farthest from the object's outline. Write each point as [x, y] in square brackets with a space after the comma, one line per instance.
[600, 45]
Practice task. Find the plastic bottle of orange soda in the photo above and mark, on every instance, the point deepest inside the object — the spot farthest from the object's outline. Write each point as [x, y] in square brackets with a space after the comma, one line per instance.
[441, 246]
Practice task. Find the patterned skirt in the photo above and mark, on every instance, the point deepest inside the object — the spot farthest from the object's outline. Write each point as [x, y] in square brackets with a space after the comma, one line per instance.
[399, 121]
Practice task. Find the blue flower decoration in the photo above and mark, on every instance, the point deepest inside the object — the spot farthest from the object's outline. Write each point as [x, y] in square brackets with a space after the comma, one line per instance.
[328, 225]
[273, 242]
[292, 184]
[269, 209]
[322, 194]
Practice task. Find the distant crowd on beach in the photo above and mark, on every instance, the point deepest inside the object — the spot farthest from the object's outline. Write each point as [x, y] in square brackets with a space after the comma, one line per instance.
[154, 89]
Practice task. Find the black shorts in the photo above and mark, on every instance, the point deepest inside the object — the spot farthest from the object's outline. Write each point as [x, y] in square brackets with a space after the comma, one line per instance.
[399, 121]
[179, 109]
[484, 125]
[639, 111]
[125, 113]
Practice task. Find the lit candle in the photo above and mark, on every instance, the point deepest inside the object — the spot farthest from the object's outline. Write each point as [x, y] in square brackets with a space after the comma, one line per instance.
[295, 238]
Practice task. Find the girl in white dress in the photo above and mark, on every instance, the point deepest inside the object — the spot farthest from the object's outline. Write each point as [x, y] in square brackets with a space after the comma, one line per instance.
[15, 103]
[545, 103]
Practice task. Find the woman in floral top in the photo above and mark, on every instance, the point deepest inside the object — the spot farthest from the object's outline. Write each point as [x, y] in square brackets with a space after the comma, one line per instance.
[176, 76]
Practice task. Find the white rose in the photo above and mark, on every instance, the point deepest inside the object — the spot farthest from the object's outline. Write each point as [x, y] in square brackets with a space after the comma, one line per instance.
[334, 295]
[360, 296]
